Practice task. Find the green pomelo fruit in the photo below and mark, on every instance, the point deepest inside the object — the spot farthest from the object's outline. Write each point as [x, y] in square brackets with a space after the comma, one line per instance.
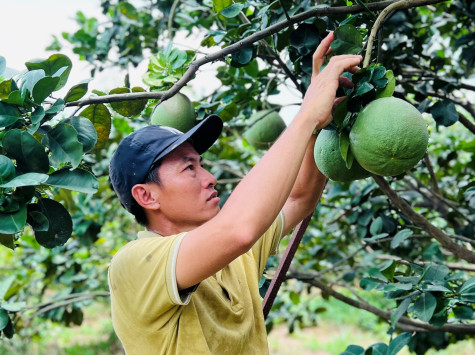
[330, 162]
[265, 127]
[177, 112]
[389, 137]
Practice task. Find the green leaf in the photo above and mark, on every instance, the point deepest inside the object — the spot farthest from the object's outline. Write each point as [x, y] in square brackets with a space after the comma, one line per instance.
[57, 107]
[7, 169]
[60, 224]
[5, 285]
[100, 116]
[232, 10]
[43, 88]
[398, 343]
[7, 240]
[53, 66]
[87, 134]
[369, 283]
[377, 349]
[37, 115]
[242, 57]
[9, 114]
[467, 291]
[444, 113]
[63, 142]
[435, 272]
[9, 331]
[13, 222]
[363, 89]
[128, 108]
[348, 40]
[376, 226]
[29, 154]
[344, 143]
[388, 270]
[400, 237]
[13, 306]
[128, 10]
[400, 311]
[4, 319]
[463, 312]
[29, 80]
[390, 86]
[353, 350]
[36, 219]
[77, 180]
[340, 112]
[219, 5]
[27, 179]
[424, 306]
[77, 91]
[305, 38]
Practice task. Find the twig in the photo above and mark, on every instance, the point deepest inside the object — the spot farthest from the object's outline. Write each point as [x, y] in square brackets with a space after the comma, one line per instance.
[255, 37]
[274, 55]
[403, 321]
[422, 222]
[403, 4]
[46, 307]
[433, 179]
[285, 10]
[453, 266]
[171, 17]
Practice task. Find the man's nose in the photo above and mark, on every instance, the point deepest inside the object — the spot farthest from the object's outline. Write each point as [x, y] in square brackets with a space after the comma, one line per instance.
[209, 179]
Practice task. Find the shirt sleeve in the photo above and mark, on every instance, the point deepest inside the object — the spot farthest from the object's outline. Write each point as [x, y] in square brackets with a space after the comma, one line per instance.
[268, 244]
[142, 278]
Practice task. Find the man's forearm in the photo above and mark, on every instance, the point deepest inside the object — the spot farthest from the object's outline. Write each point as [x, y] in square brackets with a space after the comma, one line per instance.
[262, 193]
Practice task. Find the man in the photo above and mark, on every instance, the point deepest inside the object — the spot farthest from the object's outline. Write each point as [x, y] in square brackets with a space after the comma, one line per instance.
[189, 284]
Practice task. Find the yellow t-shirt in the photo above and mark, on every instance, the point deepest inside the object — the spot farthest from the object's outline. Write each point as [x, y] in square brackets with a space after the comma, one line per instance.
[222, 315]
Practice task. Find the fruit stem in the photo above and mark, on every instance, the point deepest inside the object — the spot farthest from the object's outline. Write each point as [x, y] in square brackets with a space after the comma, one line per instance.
[403, 4]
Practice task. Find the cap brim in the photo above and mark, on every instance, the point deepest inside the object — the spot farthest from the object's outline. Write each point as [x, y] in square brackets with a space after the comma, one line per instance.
[202, 136]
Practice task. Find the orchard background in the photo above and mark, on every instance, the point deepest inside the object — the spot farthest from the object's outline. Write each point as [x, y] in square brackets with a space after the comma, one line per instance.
[400, 248]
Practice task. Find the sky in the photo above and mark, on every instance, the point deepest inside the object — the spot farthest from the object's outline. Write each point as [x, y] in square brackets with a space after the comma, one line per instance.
[28, 27]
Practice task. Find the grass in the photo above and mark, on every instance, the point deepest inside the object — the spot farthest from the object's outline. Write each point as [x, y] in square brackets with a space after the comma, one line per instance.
[338, 327]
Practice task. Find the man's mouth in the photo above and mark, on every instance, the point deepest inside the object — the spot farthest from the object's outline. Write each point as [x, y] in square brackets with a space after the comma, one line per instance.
[213, 195]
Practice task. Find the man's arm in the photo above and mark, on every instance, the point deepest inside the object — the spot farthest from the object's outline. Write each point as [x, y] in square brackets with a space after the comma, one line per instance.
[261, 195]
[306, 191]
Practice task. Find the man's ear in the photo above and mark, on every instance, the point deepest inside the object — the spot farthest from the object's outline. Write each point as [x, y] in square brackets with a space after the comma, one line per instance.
[146, 196]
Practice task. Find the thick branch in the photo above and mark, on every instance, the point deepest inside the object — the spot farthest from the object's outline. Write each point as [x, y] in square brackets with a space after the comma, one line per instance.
[403, 322]
[423, 223]
[257, 36]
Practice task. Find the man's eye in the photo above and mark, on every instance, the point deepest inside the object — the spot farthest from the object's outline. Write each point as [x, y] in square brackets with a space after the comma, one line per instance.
[191, 167]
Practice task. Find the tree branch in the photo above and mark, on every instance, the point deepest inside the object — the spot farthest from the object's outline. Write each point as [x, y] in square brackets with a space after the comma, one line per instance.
[403, 4]
[403, 321]
[255, 37]
[453, 266]
[423, 223]
[274, 55]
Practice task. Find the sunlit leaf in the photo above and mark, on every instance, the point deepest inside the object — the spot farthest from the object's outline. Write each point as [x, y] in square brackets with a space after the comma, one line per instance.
[100, 116]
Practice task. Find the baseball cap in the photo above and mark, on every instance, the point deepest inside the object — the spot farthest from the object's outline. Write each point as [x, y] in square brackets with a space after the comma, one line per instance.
[141, 149]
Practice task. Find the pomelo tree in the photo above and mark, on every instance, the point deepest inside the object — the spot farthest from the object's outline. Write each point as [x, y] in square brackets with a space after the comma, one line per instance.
[407, 239]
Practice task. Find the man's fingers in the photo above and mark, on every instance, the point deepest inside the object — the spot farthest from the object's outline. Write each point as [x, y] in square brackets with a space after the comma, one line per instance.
[323, 49]
[346, 62]
[345, 82]
[337, 101]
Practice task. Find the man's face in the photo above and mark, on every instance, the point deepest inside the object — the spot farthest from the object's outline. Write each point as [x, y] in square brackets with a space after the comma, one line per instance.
[186, 192]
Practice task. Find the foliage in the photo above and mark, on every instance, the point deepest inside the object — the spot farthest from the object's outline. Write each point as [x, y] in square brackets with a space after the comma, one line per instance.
[411, 241]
